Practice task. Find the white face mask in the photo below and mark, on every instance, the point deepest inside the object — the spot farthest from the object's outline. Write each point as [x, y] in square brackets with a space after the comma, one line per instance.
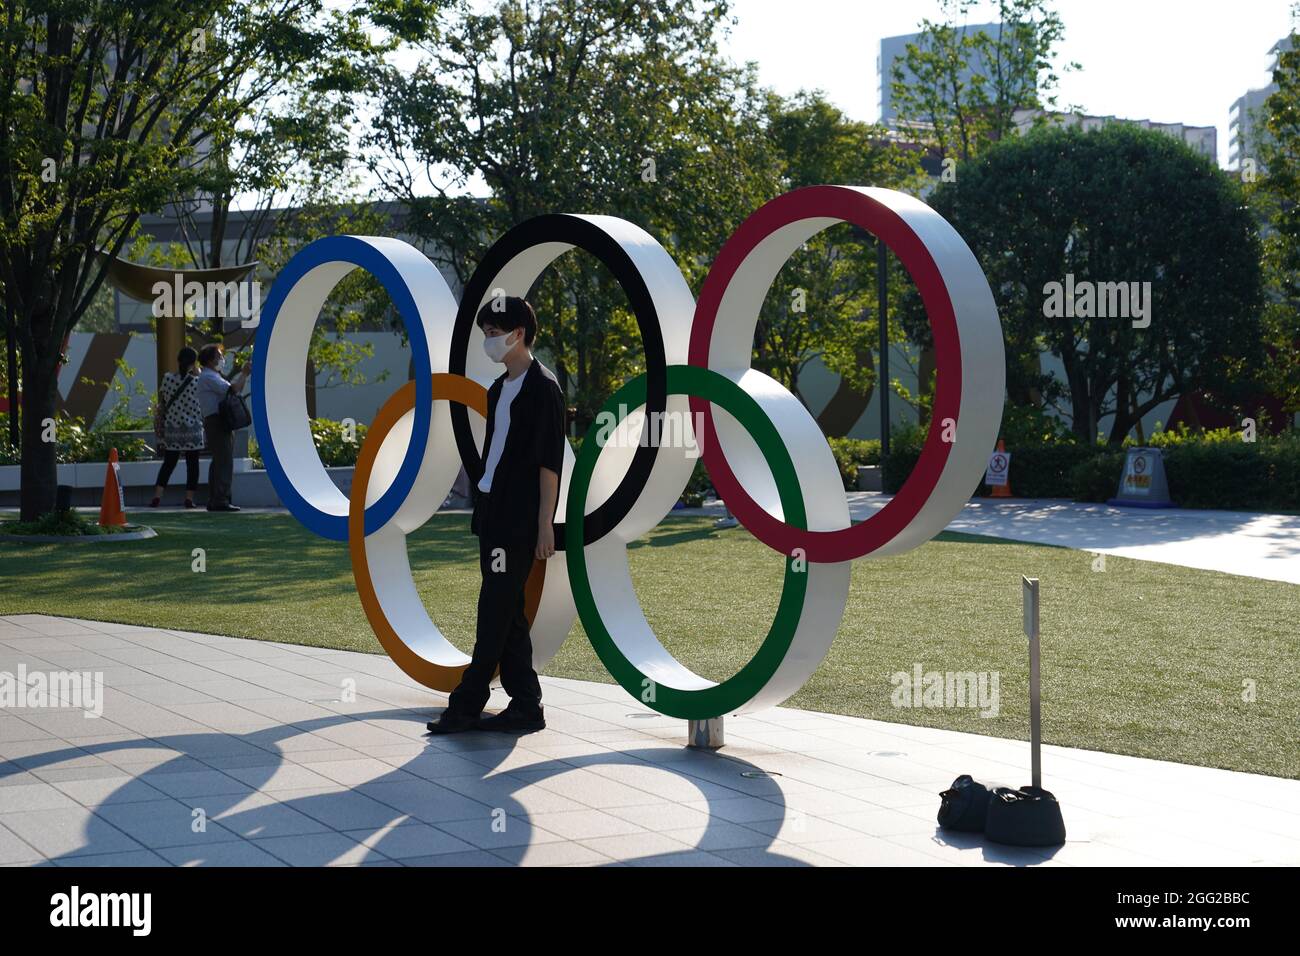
[496, 346]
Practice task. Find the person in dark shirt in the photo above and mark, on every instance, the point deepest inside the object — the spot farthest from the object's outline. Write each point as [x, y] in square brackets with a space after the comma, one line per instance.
[515, 494]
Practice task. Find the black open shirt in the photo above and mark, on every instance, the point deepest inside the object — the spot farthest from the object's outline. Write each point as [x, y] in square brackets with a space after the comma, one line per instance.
[508, 514]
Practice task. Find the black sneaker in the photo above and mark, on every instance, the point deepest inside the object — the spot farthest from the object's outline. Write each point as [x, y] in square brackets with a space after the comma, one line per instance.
[513, 723]
[450, 723]
[223, 507]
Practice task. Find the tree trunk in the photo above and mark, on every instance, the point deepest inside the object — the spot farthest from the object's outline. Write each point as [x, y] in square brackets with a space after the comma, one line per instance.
[11, 360]
[39, 473]
[1123, 421]
[1081, 418]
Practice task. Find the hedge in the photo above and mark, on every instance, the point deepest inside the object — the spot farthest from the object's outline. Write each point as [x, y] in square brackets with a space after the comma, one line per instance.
[850, 453]
[336, 444]
[1209, 470]
[77, 442]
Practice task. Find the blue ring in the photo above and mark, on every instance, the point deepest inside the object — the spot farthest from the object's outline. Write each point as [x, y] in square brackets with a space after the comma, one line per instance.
[359, 253]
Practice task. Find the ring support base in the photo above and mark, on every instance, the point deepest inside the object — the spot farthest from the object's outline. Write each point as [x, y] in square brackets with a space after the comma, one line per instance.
[705, 734]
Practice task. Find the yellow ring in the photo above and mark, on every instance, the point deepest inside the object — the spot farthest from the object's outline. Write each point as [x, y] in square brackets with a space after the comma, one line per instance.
[451, 388]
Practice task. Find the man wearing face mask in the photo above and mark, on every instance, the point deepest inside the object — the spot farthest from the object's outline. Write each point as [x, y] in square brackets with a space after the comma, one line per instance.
[514, 512]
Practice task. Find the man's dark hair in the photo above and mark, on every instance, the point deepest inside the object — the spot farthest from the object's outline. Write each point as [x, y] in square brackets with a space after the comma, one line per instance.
[185, 358]
[208, 353]
[510, 313]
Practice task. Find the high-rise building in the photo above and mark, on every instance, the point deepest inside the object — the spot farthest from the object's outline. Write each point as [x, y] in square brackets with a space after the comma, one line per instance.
[895, 48]
[1245, 114]
[1203, 139]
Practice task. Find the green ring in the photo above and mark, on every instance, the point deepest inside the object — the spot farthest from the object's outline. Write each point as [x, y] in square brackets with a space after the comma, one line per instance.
[733, 693]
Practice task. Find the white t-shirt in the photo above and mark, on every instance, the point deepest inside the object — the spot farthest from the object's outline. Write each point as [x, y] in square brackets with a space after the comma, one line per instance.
[500, 425]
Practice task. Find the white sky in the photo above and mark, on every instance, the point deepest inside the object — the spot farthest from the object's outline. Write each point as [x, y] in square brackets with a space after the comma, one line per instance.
[1165, 60]
[1169, 61]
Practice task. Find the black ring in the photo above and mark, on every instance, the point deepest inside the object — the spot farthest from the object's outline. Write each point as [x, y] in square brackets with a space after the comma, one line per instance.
[587, 236]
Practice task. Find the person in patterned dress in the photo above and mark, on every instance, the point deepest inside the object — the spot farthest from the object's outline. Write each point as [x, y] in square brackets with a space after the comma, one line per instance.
[179, 425]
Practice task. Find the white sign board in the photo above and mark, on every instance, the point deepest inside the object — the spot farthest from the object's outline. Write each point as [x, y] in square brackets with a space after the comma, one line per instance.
[999, 465]
[1143, 483]
[1137, 474]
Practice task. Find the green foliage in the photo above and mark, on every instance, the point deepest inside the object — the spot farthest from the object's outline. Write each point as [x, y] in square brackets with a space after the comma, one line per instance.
[822, 302]
[76, 442]
[1044, 470]
[1025, 425]
[698, 487]
[99, 315]
[114, 110]
[1096, 478]
[850, 453]
[619, 107]
[1205, 469]
[1117, 204]
[1275, 198]
[69, 523]
[1214, 469]
[1263, 475]
[334, 444]
[1009, 69]
[79, 443]
[1181, 436]
[905, 444]
[123, 388]
[358, 302]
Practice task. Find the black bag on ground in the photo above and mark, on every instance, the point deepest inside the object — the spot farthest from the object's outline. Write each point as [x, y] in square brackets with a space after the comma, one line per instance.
[234, 411]
[1029, 816]
[965, 805]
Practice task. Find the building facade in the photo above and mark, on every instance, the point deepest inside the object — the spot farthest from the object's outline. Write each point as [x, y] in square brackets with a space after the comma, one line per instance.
[1245, 115]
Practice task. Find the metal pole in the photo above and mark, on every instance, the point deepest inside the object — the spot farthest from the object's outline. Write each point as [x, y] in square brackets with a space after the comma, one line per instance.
[1029, 587]
[882, 309]
[705, 734]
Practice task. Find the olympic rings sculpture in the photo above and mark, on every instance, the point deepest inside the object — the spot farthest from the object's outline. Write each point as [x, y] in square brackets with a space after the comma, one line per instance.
[764, 452]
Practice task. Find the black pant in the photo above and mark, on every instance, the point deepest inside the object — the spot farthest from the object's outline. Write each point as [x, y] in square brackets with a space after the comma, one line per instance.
[502, 636]
[221, 473]
[170, 458]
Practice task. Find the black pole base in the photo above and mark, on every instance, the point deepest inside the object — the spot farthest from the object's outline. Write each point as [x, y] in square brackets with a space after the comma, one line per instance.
[1029, 816]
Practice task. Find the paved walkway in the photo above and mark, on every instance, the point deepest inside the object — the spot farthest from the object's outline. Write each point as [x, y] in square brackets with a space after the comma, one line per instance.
[1235, 542]
[217, 750]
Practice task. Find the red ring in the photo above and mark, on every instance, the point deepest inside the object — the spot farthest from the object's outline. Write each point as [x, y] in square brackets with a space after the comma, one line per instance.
[847, 205]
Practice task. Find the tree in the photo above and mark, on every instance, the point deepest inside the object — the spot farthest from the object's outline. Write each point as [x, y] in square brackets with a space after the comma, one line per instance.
[106, 113]
[1009, 69]
[1115, 205]
[957, 92]
[355, 303]
[823, 301]
[1275, 196]
[619, 107]
[287, 155]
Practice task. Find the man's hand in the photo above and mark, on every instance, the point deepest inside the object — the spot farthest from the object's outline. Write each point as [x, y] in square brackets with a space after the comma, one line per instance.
[545, 540]
[549, 489]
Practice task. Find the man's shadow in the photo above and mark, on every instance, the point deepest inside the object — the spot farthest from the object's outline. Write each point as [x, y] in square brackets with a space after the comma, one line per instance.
[225, 823]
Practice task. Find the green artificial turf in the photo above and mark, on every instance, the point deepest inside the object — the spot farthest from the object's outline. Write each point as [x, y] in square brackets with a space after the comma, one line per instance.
[1141, 658]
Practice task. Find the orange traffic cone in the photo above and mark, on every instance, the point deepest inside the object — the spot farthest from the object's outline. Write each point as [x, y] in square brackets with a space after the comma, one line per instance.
[1003, 490]
[112, 511]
